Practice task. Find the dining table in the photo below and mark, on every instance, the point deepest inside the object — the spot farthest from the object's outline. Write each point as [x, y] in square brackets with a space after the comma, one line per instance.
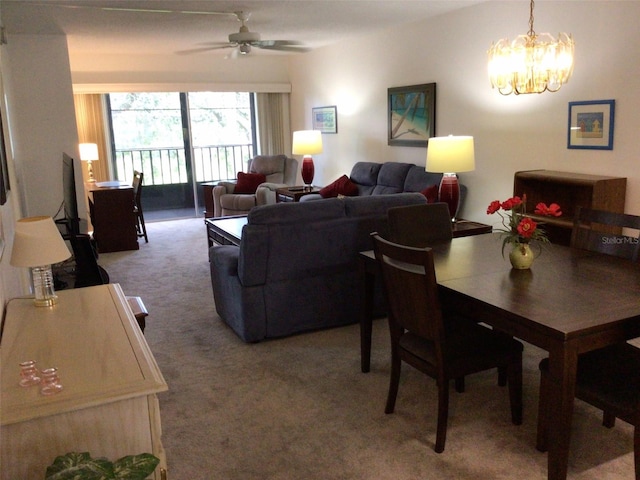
[569, 302]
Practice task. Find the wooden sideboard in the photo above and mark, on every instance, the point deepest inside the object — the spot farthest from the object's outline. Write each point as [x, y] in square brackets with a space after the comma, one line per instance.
[569, 190]
[113, 218]
[108, 406]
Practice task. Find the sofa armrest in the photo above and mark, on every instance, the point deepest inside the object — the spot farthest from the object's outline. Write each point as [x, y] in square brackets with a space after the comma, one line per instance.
[222, 188]
[266, 193]
[310, 197]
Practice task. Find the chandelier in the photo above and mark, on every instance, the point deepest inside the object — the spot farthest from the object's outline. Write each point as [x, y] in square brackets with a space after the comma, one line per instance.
[532, 63]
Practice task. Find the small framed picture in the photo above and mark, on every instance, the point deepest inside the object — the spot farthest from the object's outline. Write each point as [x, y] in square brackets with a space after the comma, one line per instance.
[591, 124]
[325, 119]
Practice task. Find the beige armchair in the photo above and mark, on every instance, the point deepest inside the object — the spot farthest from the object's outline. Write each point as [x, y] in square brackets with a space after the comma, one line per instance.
[280, 171]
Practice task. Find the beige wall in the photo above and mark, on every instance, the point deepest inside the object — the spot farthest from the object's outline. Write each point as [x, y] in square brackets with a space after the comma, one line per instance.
[511, 133]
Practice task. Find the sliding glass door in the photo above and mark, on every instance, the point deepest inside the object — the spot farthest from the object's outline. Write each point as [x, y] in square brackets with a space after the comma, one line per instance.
[180, 141]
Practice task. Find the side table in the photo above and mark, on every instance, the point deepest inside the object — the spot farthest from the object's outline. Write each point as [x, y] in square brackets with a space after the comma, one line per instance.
[293, 194]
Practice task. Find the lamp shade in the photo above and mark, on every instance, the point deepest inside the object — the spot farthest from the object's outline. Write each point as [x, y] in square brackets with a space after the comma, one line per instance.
[88, 152]
[37, 242]
[307, 142]
[450, 154]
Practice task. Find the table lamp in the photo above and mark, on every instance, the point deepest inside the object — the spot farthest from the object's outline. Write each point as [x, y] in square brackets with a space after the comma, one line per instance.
[447, 155]
[307, 143]
[38, 244]
[89, 153]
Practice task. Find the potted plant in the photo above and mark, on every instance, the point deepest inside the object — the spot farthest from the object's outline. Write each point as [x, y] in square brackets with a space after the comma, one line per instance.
[80, 466]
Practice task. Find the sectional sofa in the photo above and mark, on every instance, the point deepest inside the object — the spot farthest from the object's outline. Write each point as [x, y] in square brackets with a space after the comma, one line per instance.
[296, 268]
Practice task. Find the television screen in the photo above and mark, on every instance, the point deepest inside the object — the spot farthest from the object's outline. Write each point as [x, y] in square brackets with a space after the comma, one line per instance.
[70, 199]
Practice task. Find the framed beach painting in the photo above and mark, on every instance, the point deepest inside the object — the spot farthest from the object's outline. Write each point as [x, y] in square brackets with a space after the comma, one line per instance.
[591, 124]
[412, 115]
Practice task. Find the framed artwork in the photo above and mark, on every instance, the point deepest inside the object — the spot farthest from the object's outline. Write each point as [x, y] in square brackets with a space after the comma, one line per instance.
[412, 115]
[325, 119]
[591, 124]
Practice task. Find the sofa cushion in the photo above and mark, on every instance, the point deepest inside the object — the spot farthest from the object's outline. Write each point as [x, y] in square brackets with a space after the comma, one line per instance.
[342, 186]
[248, 182]
[391, 178]
[296, 212]
[418, 179]
[365, 176]
[271, 166]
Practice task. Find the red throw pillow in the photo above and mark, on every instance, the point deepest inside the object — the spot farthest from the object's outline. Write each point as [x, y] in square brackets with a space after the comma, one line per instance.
[342, 186]
[431, 193]
[248, 182]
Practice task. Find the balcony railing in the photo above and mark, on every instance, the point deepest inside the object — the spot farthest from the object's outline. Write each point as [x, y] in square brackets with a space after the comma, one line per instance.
[168, 166]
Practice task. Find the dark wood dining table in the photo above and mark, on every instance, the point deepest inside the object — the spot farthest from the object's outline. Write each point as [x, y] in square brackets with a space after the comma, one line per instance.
[570, 302]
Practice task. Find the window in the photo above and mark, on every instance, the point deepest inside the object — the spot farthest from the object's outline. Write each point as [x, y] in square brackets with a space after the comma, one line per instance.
[180, 140]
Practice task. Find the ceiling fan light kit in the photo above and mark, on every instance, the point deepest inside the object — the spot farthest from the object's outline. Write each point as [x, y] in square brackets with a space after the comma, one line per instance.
[532, 63]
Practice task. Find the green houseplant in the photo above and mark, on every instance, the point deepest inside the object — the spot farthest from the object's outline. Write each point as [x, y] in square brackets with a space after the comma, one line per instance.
[80, 466]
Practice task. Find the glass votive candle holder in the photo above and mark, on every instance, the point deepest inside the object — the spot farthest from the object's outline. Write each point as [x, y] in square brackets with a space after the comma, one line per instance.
[29, 374]
[50, 382]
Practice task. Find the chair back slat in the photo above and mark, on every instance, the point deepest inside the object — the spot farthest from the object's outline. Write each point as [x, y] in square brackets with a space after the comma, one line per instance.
[606, 232]
[411, 289]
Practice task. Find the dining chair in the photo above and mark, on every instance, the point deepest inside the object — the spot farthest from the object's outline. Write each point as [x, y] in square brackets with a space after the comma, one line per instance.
[424, 225]
[420, 225]
[608, 379]
[605, 232]
[141, 229]
[425, 337]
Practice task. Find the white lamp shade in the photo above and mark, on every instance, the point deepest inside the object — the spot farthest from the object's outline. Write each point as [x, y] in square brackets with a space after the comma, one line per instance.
[307, 142]
[88, 152]
[37, 242]
[450, 154]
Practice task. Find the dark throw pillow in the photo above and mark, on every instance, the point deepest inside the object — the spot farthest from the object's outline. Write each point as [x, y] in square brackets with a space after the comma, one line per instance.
[342, 186]
[431, 193]
[248, 182]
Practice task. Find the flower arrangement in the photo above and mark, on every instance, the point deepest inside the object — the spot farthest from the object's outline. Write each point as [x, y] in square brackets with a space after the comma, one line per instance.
[520, 229]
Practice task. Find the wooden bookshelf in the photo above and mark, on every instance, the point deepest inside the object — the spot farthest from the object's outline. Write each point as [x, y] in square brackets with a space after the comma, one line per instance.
[569, 190]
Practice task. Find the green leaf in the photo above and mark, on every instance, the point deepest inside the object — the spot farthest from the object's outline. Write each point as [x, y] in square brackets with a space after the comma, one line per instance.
[135, 467]
[79, 466]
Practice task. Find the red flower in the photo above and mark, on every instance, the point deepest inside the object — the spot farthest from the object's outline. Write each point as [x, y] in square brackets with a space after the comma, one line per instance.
[527, 227]
[493, 207]
[511, 203]
[552, 210]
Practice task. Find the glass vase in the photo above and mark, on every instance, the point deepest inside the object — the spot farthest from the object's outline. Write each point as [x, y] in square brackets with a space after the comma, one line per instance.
[521, 256]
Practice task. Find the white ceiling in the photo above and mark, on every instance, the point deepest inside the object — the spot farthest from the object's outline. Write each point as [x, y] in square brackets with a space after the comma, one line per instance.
[314, 23]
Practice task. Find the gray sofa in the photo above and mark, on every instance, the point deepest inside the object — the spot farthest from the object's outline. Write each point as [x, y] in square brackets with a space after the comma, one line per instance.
[296, 268]
[391, 177]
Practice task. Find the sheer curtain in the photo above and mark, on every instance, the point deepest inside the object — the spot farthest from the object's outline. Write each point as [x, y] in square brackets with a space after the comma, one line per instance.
[274, 128]
[90, 122]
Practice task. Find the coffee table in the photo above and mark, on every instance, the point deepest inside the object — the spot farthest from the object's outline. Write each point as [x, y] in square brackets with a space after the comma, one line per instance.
[225, 230]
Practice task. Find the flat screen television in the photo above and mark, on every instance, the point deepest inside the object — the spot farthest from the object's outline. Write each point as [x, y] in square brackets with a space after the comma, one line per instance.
[71, 219]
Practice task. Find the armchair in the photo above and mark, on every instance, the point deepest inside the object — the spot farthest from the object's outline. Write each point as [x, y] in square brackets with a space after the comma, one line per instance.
[279, 170]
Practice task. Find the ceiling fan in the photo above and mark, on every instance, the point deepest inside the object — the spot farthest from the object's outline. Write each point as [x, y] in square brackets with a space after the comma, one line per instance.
[244, 40]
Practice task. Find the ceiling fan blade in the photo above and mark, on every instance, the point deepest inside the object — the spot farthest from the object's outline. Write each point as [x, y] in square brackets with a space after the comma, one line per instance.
[282, 47]
[204, 49]
[128, 9]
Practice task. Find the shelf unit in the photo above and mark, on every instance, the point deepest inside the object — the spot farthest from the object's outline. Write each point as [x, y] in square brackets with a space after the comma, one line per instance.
[569, 190]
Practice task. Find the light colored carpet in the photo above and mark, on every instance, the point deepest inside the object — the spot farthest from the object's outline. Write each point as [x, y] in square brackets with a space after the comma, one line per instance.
[299, 407]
